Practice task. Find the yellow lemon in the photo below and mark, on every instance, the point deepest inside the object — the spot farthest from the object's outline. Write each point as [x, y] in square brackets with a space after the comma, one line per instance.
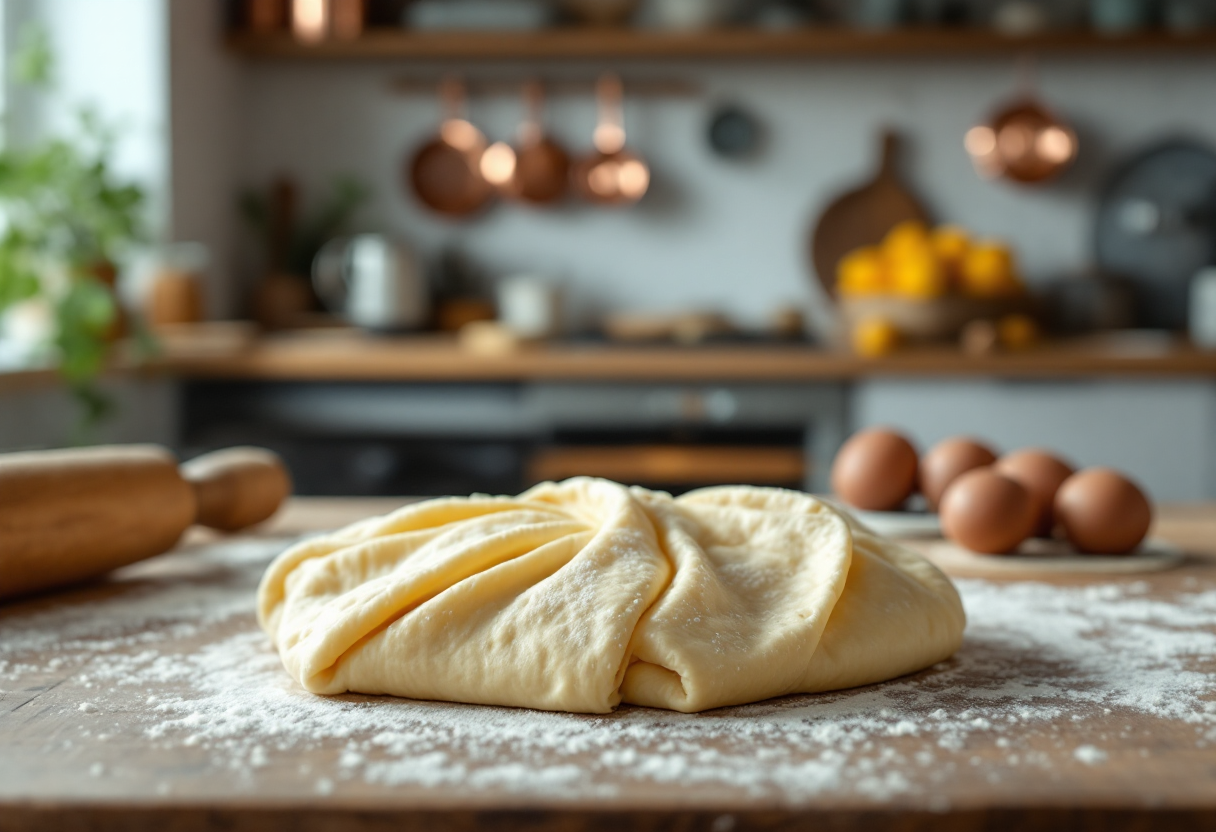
[987, 271]
[950, 244]
[873, 337]
[919, 276]
[861, 272]
[1017, 332]
[908, 238]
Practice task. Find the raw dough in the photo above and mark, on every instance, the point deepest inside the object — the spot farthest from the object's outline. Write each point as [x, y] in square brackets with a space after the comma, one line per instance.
[579, 595]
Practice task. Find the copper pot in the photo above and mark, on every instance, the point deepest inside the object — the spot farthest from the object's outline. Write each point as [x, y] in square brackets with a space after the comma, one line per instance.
[600, 12]
[538, 171]
[313, 21]
[266, 17]
[445, 172]
[1024, 142]
[611, 175]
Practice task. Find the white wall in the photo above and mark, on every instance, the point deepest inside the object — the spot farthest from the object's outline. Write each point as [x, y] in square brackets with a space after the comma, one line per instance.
[111, 55]
[204, 93]
[716, 233]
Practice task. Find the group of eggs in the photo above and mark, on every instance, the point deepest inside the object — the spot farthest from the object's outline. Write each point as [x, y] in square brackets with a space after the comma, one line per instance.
[992, 504]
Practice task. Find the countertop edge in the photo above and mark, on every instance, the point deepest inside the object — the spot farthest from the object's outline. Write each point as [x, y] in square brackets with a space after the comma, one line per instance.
[323, 816]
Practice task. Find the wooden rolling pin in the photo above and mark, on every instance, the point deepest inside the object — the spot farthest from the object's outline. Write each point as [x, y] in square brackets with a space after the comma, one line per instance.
[74, 514]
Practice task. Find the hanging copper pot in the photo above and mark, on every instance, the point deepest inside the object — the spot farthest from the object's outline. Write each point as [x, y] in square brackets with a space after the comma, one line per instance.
[1023, 141]
[445, 172]
[266, 17]
[538, 171]
[611, 175]
[313, 21]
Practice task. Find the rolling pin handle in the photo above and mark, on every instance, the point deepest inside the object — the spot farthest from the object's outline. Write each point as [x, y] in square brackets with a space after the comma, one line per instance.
[237, 487]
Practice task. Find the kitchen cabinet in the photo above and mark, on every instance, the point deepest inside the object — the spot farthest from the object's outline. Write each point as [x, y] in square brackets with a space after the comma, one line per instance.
[429, 438]
[729, 420]
[44, 414]
[1144, 404]
[364, 415]
[385, 438]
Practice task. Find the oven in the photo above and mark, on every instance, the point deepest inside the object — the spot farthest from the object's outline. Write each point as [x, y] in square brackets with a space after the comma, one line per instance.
[348, 438]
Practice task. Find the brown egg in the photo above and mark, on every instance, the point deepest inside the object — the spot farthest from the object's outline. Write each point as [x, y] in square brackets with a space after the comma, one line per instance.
[1102, 511]
[875, 470]
[1042, 474]
[987, 512]
[946, 461]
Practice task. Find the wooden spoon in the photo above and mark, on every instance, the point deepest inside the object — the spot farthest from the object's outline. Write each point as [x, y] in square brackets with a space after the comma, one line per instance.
[863, 216]
[445, 172]
[611, 175]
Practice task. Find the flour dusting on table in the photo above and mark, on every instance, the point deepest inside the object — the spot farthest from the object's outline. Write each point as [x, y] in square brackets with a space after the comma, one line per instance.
[186, 657]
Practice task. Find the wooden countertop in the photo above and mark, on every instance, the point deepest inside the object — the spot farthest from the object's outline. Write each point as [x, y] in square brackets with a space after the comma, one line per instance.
[338, 354]
[341, 354]
[152, 701]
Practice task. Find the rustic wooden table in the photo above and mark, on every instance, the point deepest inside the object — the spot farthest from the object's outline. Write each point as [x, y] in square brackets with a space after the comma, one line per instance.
[152, 701]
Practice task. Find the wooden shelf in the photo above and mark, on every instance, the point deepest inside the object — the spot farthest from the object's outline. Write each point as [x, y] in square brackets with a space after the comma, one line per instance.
[345, 355]
[623, 44]
[339, 354]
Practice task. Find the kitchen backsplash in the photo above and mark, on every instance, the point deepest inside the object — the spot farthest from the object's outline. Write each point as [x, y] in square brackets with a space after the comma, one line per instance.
[712, 232]
[730, 234]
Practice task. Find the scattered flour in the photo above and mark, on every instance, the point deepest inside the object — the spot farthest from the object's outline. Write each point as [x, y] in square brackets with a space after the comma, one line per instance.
[1090, 755]
[186, 656]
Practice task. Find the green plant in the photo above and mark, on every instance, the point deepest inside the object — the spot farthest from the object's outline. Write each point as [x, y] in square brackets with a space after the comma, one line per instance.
[292, 248]
[67, 218]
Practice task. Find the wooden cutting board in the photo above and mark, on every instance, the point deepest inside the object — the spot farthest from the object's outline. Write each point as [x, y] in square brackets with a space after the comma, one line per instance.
[863, 216]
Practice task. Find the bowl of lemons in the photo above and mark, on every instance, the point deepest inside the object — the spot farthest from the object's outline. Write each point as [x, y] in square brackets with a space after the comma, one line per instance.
[922, 284]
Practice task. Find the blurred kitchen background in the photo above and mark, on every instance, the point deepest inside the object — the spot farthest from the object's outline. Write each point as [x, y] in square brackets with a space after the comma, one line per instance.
[446, 246]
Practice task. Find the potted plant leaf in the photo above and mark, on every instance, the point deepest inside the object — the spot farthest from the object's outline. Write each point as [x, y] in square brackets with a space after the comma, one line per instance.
[66, 219]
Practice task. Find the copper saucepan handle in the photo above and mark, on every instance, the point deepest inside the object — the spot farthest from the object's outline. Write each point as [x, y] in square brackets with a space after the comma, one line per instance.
[609, 135]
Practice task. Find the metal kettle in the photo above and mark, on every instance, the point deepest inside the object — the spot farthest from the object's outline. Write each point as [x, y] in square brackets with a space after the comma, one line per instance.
[374, 282]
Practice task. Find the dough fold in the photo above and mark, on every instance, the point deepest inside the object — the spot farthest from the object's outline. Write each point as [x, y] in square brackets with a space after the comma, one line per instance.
[579, 595]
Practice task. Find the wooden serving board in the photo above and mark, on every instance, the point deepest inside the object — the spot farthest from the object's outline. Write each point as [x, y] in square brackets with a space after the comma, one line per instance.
[153, 701]
[863, 215]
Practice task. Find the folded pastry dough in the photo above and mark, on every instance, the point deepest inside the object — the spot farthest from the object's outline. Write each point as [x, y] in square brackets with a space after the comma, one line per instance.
[579, 595]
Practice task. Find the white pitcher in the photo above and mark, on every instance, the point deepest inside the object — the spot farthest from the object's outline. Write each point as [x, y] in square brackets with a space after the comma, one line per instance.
[374, 282]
